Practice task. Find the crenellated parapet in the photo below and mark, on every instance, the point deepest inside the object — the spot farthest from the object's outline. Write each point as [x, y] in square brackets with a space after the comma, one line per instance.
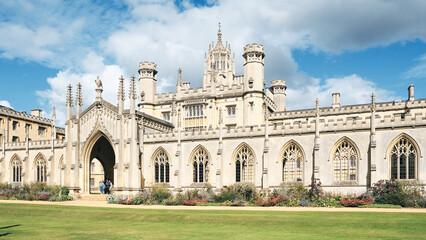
[43, 144]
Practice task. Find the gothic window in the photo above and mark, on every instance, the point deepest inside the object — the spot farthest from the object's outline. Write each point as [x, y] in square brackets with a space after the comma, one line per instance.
[292, 163]
[42, 131]
[162, 167]
[345, 162]
[41, 170]
[200, 166]
[231, 110]
[16, 171]
[244, 165]
[403, 159]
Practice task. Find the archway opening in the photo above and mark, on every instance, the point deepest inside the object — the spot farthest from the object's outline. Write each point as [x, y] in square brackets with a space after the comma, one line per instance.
[102, 157]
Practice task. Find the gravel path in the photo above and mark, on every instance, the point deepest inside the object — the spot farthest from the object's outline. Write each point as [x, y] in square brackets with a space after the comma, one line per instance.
[281, 209]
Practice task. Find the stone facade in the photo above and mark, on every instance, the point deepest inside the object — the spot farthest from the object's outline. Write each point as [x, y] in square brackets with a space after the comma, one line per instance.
[230, 130]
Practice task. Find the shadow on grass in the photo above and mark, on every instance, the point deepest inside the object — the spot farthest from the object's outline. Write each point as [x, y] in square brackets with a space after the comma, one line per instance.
[4, 234]
[11, 226]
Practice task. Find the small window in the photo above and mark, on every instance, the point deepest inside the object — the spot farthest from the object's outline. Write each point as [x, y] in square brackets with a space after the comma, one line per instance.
[251, 106]
[15, 125]
[166, 116]
[92, 167]
[27, 126]
[92, 182]
[42, 131]
[15, 139]
[231, 110]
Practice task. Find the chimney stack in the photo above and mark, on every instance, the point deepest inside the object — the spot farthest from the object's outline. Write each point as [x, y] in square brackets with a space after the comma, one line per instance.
[336, 100]
[36, 112]
[411, 93]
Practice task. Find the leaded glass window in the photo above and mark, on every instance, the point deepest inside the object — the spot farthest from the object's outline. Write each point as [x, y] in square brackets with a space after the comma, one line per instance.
[403, 160]
[161, 167]
[200, 163]
[41, 169]
[345, 162]
[292, 163]
[244, 164]
[16, 171]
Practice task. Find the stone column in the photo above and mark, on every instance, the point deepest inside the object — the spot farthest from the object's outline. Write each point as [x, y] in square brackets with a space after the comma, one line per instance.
[371, 175]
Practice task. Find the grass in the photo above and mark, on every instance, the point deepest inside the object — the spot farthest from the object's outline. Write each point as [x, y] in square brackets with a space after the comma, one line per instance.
[380, 206]
[28, 221]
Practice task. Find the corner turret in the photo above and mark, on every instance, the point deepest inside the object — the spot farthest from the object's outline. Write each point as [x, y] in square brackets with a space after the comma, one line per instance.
[278, 89]
[147, 86]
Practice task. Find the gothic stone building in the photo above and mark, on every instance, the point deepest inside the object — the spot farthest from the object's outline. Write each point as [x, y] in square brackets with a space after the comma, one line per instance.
[230, 130]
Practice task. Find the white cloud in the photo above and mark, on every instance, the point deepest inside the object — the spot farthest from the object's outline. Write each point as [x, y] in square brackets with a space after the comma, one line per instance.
[353, 89]
[418, 70]
[95, 39]
[5, 103]
[56, 95]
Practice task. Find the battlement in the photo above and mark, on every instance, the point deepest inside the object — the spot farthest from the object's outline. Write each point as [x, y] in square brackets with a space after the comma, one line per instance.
[254, 47]
[23, 115]
[42, 144]
[147, 68]
[278, 82]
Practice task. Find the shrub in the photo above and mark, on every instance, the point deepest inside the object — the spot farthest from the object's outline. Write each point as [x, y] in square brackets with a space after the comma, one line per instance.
[272, 201]
[160, 193]
[241, 191]
[44, 197]
[398, 192]
[193, 202]
[127, 201]
[315, 191]
[357, 201]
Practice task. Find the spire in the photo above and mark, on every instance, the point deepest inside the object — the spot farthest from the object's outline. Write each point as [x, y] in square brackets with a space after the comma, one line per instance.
[179, 80]
[219, 34]
[132, 93]
[79, 97]
[121, 96]
[219, 45]
[317, 106]
[69, 96]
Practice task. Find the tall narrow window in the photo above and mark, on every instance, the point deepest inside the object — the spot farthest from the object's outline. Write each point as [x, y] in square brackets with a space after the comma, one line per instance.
[41, 169]
[345, 162]
[292, 164]
[16, 171]
[244, 164]
[403, 159]
[161, 167]
[200, 162]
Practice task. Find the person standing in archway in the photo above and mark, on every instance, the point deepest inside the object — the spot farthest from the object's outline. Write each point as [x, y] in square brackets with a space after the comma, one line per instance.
[101, 187]
[107, 186]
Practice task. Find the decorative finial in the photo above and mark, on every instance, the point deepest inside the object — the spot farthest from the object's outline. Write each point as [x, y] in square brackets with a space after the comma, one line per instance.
[69, 96]
[220, 114]
[219, 34]
[317, 106]
[54, 114]
[121, 95]
[79, 97]
[179, 80]
[373, 101]
[132, 93]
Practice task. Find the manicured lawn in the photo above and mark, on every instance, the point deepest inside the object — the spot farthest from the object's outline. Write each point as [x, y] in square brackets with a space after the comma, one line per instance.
[27, 221]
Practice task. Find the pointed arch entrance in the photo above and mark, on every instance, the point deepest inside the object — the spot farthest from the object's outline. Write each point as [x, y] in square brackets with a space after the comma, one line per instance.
[100, 149]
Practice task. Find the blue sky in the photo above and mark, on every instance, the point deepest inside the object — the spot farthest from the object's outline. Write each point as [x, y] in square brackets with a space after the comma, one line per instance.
[318, 47]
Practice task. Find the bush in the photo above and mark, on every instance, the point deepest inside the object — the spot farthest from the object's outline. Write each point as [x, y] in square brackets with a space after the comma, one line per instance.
[241, 191]
[193, 202]
[398, 192]
[315, 191]
[159, 194]
[277, 200]
[357, 201]
[34, 191]
[226, 195]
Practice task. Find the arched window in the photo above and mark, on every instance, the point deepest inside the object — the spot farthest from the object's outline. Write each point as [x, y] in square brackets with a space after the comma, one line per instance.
[403, 159]
[292, 163]
[201, 165]
[41, 167]
[16, 171]
[244, 165]
[162, 167]
[345, 162]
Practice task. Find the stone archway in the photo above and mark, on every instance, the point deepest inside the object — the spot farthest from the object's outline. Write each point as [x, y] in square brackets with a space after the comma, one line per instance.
[104, 153]
[99, 148]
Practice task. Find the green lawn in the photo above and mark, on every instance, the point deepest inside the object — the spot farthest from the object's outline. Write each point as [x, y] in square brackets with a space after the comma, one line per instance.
[27, 221]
